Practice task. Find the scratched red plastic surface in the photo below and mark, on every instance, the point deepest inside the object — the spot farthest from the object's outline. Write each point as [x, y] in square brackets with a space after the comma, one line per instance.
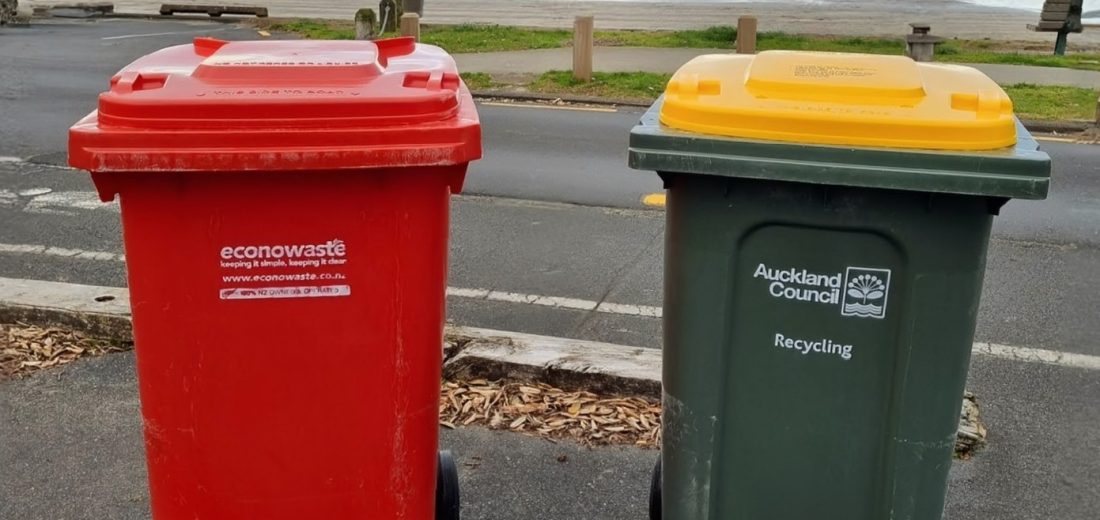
[287, 261]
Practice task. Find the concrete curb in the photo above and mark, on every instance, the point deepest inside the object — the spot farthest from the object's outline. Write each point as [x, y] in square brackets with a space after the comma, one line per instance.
[468, 352]
[95, 311]
[1057, 127]
[568, 364]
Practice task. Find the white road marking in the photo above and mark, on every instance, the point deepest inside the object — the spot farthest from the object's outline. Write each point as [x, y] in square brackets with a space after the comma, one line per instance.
[22, 248]
[1020, 354]
[34, 192]
[1034, 355]
[545, 301]
[59, 202]
[467, 293]
[128, 36]
[48, 201]
[81, 254]
[630, 310]
[5, 158]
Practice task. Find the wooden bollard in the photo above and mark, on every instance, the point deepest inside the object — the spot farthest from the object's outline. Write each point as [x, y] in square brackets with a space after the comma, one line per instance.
[582, 47]
[1098, 112]
[746, 35]
[410, 25]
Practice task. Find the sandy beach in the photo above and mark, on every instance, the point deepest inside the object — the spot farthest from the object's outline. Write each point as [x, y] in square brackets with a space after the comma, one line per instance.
[951, 18]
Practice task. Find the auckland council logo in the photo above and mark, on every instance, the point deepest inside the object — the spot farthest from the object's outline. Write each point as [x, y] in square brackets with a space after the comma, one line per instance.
[865, 292]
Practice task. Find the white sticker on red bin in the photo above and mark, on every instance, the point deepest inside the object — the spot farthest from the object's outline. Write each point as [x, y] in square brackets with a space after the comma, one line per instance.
[291, 270]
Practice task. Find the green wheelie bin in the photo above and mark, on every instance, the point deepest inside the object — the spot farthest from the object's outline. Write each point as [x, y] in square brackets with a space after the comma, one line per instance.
[827, 224]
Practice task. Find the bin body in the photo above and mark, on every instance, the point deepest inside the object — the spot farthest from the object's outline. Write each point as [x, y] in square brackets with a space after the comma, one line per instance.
[288, 287]
[819, 312]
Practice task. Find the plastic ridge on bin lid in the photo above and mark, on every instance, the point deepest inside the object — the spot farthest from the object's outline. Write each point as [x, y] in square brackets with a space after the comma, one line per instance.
[840, 99]
[281, 105]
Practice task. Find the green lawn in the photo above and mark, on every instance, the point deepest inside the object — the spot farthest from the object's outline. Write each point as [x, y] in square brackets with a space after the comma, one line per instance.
[643, 86]
[1030, 101]
[1056, 103]
[489, 38]
[455, 38]
[478, 80]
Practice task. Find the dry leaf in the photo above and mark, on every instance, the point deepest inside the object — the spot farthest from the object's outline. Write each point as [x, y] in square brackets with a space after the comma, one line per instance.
[551, 412]
[25, 348]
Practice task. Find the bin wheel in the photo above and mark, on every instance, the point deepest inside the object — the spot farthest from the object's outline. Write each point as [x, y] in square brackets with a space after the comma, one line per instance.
[655, 492]
[446, 488]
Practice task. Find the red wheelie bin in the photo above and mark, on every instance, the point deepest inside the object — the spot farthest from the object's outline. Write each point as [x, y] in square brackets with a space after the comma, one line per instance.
[285, 209]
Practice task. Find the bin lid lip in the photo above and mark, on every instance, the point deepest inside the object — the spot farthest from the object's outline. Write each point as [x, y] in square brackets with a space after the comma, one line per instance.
[280, 97]
[1020, 171]
[840, 99]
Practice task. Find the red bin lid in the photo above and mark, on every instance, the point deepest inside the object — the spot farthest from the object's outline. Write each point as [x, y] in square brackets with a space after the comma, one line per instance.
[281, 105]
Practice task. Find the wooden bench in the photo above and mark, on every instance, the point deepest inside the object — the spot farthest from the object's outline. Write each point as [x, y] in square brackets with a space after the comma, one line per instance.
[1062, 17]
[213, 10]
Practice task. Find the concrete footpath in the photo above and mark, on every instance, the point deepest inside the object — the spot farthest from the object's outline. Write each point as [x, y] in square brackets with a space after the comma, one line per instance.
[634, 59]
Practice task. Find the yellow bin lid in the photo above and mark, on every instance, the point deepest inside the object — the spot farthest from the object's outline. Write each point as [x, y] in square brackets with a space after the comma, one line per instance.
[840, 99]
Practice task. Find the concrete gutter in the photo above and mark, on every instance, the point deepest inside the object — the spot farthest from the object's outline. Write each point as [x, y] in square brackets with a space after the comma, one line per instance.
[468, 352]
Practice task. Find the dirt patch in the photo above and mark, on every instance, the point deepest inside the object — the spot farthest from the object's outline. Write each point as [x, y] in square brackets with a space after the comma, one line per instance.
[28, 348]
[1090, 136]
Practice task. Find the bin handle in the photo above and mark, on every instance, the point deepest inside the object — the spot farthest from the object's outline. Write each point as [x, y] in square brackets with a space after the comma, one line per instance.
[206, 46]
[133, 81]
[394, 47]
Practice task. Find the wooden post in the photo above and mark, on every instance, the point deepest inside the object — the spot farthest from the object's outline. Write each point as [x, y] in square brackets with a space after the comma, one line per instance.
[413, 6]
[582, 47]
[410, 25]
[1060, 43]
[1098, 112]
[746, 35]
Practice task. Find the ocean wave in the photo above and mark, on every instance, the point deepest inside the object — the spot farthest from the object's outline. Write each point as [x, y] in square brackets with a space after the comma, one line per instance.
[862, 310]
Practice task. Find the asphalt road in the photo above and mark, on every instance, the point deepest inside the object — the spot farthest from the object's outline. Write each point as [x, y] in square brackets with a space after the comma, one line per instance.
[522, 232]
